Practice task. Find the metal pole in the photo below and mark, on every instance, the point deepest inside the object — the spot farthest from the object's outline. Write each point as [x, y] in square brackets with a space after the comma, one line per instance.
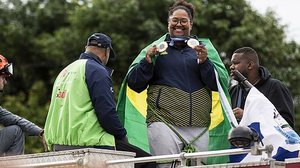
[180, 156]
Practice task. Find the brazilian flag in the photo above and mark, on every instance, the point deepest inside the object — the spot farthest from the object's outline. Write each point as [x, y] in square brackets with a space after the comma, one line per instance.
[132, 107]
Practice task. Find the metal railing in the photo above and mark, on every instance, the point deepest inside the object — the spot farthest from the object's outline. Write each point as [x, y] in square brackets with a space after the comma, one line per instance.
[182, 157]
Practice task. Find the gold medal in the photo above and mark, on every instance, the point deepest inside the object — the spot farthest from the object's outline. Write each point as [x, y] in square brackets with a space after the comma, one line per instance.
[192, 42]
[162, 46]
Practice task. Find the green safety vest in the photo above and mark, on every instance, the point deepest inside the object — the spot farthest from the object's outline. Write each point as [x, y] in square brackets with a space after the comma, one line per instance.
[71, 117]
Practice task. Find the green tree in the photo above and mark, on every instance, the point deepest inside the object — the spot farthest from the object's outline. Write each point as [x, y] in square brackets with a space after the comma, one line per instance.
[21, 25]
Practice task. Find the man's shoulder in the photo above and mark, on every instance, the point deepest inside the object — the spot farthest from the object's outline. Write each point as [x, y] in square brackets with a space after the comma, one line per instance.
[275, 82]
[95, 70]
[275, 85]
[90, 63]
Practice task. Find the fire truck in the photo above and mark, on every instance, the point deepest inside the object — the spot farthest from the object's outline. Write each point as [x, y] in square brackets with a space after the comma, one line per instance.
[92, 158]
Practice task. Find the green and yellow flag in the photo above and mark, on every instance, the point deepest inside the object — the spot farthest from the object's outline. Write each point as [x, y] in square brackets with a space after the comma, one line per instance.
[132, 107]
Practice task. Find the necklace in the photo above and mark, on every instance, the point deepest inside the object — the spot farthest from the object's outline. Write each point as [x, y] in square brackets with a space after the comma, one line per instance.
[256, 81]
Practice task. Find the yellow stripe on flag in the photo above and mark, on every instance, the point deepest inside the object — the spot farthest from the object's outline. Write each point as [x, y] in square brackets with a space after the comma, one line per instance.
[138, 100]
[216, 114]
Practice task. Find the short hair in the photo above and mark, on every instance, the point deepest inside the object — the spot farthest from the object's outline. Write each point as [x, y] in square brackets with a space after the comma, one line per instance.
[182, 4]
[248, 53]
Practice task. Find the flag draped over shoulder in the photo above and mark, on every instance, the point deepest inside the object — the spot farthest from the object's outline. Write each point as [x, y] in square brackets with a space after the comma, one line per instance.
[261, 115]
[132, 107]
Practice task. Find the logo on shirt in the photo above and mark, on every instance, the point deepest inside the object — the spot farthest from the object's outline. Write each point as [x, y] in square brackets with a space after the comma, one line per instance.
[61, 94]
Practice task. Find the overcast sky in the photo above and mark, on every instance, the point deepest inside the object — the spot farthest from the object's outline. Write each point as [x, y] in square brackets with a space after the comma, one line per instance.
[287, 10]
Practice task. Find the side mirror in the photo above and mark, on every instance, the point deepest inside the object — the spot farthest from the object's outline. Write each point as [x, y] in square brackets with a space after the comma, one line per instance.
[242, 136]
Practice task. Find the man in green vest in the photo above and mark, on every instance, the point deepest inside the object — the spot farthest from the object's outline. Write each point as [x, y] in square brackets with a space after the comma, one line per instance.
[82, 112]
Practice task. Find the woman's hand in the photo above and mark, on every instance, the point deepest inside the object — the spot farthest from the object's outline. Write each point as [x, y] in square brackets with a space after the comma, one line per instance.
[152, 51]
[238, 113]
[201, 53]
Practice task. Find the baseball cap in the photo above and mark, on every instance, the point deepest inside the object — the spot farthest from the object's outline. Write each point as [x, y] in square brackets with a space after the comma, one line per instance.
[103, 41]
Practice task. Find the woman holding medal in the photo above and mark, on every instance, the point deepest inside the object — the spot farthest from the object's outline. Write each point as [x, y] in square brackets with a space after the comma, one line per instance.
[179, 79]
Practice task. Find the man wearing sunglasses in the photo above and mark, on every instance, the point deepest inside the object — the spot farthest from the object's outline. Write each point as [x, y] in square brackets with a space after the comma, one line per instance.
[12, 138]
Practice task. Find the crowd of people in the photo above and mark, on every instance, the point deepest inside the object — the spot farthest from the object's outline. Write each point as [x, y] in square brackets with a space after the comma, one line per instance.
[179, 81]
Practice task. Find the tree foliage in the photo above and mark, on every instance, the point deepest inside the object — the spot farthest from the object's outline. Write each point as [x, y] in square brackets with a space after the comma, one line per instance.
[41, 37]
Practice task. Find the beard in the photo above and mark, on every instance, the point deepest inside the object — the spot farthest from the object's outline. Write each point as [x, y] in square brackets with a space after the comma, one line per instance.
[237, 78]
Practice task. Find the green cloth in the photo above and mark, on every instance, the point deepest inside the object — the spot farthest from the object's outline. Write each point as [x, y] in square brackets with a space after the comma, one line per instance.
[131, 107]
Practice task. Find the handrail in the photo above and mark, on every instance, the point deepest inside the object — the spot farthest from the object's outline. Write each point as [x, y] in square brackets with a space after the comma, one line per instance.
[183, 156]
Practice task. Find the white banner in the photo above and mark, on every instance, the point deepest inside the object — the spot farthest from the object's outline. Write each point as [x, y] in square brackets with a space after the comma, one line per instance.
[261, 115]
